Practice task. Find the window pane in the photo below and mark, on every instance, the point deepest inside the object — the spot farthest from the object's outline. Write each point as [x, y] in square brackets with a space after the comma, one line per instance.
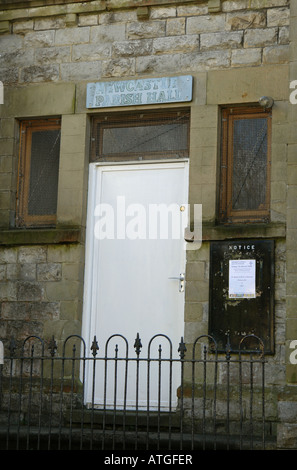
[249, 164]
[44, 171]
[153, 138]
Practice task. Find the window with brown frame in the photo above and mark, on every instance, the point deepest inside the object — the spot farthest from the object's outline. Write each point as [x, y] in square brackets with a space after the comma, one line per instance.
[245, 165]
[38, 172]
[140, 136]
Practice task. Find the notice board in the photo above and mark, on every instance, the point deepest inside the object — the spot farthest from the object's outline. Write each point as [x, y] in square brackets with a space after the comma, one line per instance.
[241, 293]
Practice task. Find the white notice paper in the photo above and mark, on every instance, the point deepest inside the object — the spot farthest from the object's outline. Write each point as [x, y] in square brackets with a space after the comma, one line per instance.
[242, 279]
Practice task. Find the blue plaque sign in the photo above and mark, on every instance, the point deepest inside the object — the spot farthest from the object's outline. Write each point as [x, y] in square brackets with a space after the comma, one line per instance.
[139, 92]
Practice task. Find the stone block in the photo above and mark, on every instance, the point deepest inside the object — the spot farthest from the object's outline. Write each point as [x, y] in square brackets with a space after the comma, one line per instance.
[49, 272]
[72, 35]
[192, 10]
[39, 100]
[26, 272]
[221, 40]
[107, 33]
[90, 52]
[88, 20]
[29, 291]
[133, 48]
[63, 290]
[23, 26]
[8, 291]
[32, 254]
[245, 20]
[276, 54]
[118, 67]
[176, 44]
[205, 60]
[260, 37]
[39, 39]
[243, 85]
[4, 27]
[283, 35]
[64, 253]
[231, 5]
[146, 30]
[8, 255]
[52, 55]
[163, 12]
[287, 436]
[278, 17]
[243, 57]
[205, 24]
[49, 23]
[176, 26]
[81, 71]
[40, 73]
[11, 43]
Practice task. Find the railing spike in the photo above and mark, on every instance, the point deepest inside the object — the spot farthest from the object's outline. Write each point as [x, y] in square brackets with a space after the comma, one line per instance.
[94, 347]
[137, 344]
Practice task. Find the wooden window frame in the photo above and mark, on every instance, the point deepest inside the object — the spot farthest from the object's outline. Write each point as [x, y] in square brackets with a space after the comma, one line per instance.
[134, 120]
[27, 127]
[226, 212]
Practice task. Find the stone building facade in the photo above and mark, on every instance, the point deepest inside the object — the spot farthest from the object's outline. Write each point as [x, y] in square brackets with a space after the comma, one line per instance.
[236, 52]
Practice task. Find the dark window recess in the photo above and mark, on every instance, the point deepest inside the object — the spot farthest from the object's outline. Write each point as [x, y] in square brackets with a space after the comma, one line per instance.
[141, 137]
[39, 171]
[245, 166]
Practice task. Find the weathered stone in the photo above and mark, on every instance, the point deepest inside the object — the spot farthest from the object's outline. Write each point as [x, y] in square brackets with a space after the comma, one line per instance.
[246, 57]
[49, 272]
[88, 20]
[38, 73]
[107, 33]
[163, 12]
[260, 37]
[205, 24]
[146, 30]
[133, 48]
[90, 52]
[221, 40]
[39, 39]
[118, 67]
[23, 26]
[48, 55]
[31, 254]
[278, 17]
[81, 71]
[276, 54]
[176, 26]
[72, 35]
[246, 20]
[29, 291]
[49, 23]
[176, 44]
[231, 5]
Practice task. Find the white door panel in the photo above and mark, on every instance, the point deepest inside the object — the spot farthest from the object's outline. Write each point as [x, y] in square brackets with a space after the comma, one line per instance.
[129, 286]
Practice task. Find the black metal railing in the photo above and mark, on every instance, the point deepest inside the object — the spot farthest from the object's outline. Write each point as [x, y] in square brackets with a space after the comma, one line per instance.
[163, 397]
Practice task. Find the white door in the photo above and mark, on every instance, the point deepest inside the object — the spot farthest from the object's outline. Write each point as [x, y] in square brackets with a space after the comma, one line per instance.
[134, 258]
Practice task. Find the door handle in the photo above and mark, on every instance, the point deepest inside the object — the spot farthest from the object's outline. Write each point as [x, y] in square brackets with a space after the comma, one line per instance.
[181, 279]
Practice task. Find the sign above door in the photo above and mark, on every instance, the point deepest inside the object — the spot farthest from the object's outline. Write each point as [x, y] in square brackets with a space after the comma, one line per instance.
[139, 92]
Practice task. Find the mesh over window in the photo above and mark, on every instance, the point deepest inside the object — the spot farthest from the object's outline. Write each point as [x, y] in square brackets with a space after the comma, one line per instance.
[44, 170]
[245, 165]
[249, 164]
[146, 137]
[38, 173]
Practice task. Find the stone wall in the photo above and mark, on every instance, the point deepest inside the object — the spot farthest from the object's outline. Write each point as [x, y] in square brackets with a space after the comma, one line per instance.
[62, 47]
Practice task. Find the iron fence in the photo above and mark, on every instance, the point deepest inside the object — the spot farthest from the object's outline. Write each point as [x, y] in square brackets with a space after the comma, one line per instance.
[160, 397]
